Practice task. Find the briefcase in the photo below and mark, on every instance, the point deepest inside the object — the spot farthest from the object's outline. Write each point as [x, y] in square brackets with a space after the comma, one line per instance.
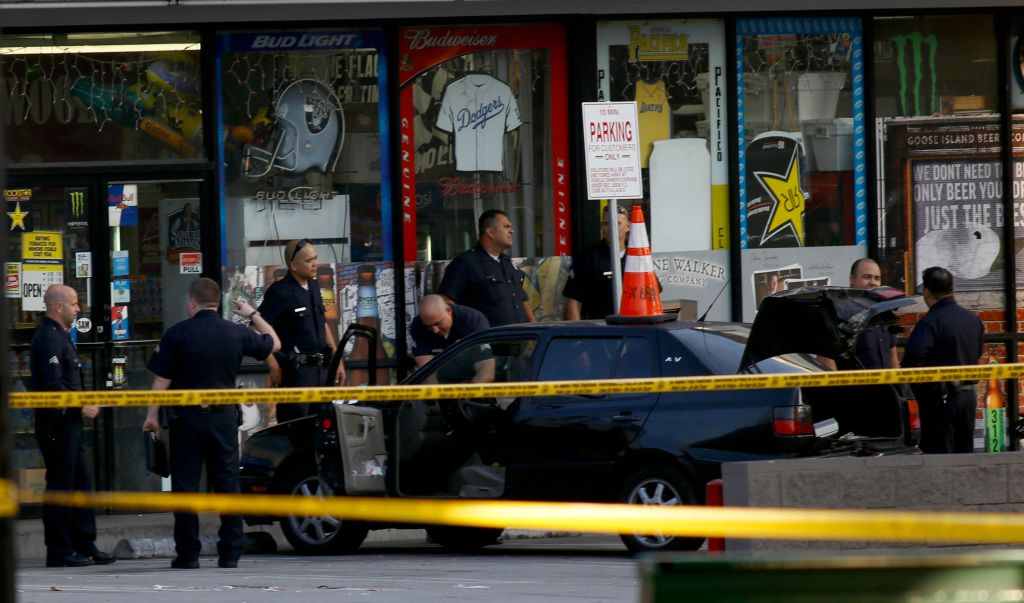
[156, 454]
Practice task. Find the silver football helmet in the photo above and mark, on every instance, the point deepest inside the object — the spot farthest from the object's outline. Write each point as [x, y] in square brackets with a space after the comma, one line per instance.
[308, 132]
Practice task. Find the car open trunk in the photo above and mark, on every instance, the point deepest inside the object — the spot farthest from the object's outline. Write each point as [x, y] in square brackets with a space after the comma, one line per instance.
[826, 321]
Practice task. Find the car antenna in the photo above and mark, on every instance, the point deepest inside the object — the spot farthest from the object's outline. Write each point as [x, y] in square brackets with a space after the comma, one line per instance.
[722, 290]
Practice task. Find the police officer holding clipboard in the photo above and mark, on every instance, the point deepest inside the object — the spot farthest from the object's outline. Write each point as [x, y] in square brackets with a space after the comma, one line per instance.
[205, 352]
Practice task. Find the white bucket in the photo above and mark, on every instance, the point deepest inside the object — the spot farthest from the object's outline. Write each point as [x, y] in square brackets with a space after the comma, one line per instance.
[829, 144]
[818, 94]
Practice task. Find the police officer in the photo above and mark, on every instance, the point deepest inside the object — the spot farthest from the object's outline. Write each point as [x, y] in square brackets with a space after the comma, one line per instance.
[294, 307]
[205, 352]
[876, 347]
[484, 278]
[440, 324]
[949, 335]
[69, 533]
[589, 292]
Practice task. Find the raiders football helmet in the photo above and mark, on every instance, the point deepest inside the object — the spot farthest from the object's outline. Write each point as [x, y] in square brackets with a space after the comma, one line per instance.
[308, 132]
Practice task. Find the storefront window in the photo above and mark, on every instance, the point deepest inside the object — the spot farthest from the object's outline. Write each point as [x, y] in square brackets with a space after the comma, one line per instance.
[304, 116]
[101, 97]
[801, 153]
[675, 71]
[940, 191]
[484, 125]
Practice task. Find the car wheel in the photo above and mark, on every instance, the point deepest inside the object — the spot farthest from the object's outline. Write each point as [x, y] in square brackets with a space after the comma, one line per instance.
[460, 538]
[658, 485]
[319, 535]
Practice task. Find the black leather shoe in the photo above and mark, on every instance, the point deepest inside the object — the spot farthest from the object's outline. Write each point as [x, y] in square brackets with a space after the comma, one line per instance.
[72, 560]
[227, 563]
[179, 563]
[101, 558]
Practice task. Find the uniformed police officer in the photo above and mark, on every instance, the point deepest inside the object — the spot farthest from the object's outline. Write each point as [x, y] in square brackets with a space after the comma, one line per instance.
[949, 335]
[205, 352]
[439, 325]
[484, 278]
[294, 307]
[70, 533]
[876, 347]
[589, 293]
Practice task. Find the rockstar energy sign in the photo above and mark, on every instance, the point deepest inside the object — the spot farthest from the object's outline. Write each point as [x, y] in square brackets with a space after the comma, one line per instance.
[657, 44]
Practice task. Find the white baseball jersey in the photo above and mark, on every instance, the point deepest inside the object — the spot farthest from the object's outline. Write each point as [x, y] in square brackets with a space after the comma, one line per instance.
[478, 109]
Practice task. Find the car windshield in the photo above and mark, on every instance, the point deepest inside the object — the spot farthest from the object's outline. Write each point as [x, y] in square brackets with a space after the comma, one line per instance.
[720, 348]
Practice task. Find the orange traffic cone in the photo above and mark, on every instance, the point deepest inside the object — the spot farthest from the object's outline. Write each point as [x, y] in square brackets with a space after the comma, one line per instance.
[640, 292]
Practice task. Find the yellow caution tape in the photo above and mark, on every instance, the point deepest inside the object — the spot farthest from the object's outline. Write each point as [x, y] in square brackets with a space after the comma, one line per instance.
[730, 522]
[512, 390]
[8, 498]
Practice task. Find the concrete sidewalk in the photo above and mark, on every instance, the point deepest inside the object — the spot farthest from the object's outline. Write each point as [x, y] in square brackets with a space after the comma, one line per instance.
[150, 535]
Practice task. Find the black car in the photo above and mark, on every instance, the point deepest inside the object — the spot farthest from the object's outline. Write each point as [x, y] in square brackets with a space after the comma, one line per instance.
[643, 448]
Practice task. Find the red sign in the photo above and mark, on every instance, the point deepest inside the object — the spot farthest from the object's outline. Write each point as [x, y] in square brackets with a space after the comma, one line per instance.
[191, 262]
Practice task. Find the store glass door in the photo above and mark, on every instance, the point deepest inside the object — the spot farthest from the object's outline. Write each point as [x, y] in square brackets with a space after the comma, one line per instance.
[48, 242]
[154, 251]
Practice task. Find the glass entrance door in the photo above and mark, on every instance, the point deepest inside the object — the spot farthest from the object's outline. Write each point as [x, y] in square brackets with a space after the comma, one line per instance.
[48, 242]
[154, 249]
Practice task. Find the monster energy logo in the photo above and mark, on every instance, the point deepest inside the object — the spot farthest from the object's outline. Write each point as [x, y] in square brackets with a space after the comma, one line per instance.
[77, 203]
[916, 42]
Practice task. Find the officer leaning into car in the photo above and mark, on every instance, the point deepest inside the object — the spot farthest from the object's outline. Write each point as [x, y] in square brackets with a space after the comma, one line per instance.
[69, 533]
[484, 278]
[294, 307]
[440, 325]
[205, 351]
[948, 335]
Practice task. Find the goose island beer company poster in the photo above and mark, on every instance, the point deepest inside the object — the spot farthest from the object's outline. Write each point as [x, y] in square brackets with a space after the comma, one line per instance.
[479, 107]
[951, 172]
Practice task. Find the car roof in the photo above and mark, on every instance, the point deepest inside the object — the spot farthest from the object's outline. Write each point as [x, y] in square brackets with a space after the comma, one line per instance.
[597, 325]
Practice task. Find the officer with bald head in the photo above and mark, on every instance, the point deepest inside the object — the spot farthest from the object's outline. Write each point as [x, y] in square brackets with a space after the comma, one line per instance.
[69, 533]
[441, 324]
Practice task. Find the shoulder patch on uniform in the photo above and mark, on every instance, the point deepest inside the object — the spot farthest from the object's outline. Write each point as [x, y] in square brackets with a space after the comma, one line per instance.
[156, 350]
[54, 360]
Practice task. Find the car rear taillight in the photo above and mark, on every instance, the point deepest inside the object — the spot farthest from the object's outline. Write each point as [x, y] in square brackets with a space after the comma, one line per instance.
[915, 414]
[792, 420]
[327, 424]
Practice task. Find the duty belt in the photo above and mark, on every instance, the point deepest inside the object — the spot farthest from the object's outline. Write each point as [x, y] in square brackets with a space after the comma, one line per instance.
[317, 359]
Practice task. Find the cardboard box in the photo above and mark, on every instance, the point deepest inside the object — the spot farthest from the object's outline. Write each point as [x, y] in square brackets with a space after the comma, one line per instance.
[32, 481]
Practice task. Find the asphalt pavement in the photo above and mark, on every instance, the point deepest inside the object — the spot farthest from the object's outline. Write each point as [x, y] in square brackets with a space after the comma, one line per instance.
[583, 568]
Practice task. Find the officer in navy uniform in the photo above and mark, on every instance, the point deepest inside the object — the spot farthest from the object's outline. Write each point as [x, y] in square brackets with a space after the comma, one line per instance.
[69, 533]
[484, 278]
[205, 352]
[875, 348]
[948, 335]
[589, 292]
[294, 308]
[439, 325]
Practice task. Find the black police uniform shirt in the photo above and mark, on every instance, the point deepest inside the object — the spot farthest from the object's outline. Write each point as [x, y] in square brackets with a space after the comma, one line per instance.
[297, 314]
[590, 281]
[205, 352]
[465, 321]
[874, 347]
[494, 287]
[948, 335]
[53, 359]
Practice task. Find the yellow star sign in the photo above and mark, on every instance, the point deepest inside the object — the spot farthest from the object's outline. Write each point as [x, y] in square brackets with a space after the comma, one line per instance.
[17, 217]
[788, 200]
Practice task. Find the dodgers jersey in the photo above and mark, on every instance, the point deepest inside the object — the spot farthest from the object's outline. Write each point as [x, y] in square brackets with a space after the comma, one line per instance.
[478, 109]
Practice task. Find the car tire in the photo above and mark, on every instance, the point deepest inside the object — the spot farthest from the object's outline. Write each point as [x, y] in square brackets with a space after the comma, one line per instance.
[464, 539]
[658, 485]
[322, 535]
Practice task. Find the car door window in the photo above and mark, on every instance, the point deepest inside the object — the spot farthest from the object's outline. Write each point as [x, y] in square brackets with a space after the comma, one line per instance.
[636, 359]
[495, 361]
[575, 359]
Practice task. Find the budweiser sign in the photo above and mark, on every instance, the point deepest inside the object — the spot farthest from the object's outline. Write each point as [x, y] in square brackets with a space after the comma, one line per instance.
[451, 187]
[420, 39]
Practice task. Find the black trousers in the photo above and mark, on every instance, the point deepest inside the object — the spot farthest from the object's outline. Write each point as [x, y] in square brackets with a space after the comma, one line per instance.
[303, 376]
[948, 427]
[66, 530]
[205, 439]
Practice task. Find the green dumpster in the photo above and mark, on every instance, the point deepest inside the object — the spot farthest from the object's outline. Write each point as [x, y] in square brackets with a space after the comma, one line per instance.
[911, 578]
